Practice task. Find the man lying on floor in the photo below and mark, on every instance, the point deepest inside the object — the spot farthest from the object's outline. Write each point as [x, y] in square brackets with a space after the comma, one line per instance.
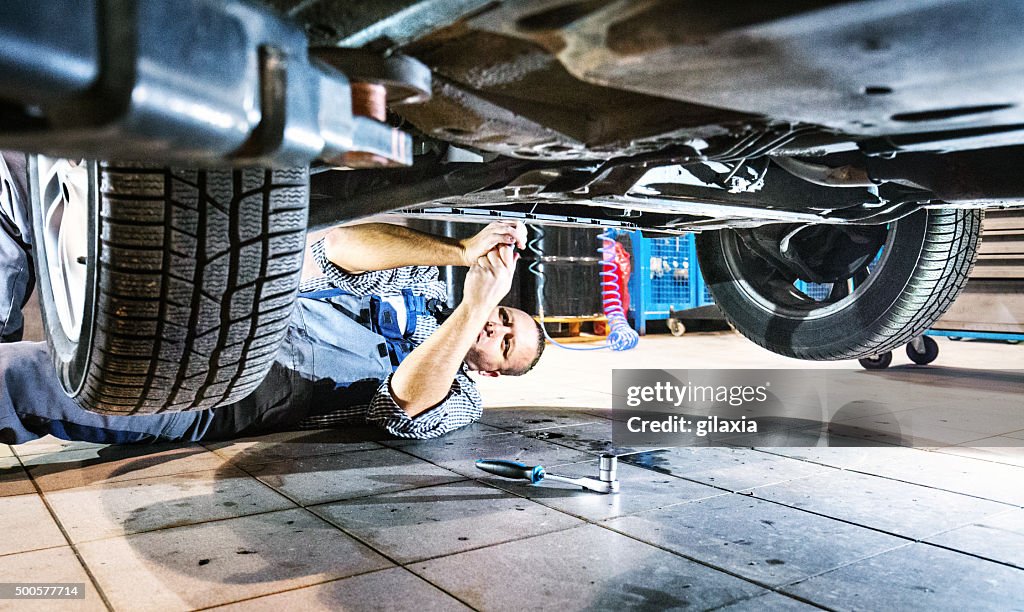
[368, 341]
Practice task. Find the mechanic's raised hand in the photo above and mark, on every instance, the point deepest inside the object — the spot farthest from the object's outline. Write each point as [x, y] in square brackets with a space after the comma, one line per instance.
[490, 278]
[497, 233]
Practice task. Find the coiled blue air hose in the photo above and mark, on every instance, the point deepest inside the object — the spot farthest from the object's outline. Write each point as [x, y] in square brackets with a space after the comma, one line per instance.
[621, 336]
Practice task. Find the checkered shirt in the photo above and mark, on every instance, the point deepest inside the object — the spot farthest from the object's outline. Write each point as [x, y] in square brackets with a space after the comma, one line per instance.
[463, 404]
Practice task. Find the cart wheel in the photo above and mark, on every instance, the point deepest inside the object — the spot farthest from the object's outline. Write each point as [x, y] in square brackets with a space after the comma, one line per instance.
[876, 362]
[925, 353]
[676, 327]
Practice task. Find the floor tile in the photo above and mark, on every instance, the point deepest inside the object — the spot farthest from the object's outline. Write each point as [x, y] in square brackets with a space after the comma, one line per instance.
[818, 436]
[316, 480]
[460, 454]
[53, 565]
[414, 525]
[50, 444]
[640, 490]
[1000, 538]
[295, 444]
[605, 413]
[730, 468]
[594, 438]
[536, 417]
[1008, 442]
[394, 589]
[983, 419]
[587, 568]
[757, 539]
[133, 506]
[917, 577]
[14, 479]
[224, 561]
[917, 427]
[768, 601]
[897, 507]
[568, 390]
[26, 525]
[81, 468]
[959, 474]
[1001, 449]
[850, 457]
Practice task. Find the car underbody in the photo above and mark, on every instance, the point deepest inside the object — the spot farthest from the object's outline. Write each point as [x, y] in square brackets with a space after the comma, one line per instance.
[853, 144]
[665, 115]
[658, 114]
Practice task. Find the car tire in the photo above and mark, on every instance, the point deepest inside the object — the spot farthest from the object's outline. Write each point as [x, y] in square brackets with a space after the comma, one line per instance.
[165, 290]
[921, 269]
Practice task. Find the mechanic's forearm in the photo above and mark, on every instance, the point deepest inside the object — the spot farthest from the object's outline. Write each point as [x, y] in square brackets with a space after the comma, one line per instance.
[382, 246]
[424, 377]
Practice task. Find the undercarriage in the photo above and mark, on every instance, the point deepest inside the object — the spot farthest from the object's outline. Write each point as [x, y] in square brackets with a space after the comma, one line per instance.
[853, 144]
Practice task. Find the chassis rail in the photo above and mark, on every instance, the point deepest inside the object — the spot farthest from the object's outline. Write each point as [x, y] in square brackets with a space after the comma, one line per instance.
[198, 82]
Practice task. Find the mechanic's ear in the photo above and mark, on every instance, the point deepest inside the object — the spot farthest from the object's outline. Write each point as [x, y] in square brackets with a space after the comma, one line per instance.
[489, 373]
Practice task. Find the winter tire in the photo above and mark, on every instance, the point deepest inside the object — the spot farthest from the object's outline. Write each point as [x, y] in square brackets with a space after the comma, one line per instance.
[919, 271]
[165, 289]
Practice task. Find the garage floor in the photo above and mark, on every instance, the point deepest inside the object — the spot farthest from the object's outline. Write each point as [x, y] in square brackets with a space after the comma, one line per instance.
[350, 520]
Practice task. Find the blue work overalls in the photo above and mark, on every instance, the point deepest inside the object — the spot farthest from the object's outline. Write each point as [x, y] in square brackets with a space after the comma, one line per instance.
[338, 350]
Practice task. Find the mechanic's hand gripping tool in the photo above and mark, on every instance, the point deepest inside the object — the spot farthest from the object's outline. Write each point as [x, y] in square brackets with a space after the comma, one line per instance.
[606, 482]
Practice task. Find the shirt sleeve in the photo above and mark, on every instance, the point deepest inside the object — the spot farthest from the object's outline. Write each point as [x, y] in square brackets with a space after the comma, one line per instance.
[462, 407]
[378, 282]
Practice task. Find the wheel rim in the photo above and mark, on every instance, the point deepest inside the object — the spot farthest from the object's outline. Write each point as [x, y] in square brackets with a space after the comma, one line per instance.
[63, 187]
[794, 298]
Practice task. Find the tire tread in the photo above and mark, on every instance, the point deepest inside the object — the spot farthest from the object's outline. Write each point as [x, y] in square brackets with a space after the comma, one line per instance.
[944, 264]
[172, 335]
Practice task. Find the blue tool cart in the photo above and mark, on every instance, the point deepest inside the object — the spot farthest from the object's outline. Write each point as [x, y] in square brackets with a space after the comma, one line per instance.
[665, 278]
[704, 293]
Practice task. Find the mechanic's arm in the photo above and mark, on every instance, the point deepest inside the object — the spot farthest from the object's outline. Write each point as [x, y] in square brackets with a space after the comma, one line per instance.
[382, 246]
[424, 378]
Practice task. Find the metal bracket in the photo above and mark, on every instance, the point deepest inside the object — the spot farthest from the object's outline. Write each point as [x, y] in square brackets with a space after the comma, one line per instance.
[196, 82]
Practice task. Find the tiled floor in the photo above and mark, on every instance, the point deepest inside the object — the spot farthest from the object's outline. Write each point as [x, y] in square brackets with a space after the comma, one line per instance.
[352, 520]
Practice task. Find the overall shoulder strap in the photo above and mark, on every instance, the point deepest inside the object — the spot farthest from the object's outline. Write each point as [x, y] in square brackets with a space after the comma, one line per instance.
[415, 305]
[322, 294]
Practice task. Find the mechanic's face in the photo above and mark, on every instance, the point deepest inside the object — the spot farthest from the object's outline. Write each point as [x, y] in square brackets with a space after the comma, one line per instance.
[507, 342]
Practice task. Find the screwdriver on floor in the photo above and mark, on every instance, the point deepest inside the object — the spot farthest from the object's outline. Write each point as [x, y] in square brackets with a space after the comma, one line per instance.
[607, 481]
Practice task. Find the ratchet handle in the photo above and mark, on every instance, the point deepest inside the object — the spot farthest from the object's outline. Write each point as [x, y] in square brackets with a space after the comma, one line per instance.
[512, 469]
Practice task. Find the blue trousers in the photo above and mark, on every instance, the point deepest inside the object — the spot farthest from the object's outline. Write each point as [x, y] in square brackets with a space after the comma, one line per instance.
[33, 404]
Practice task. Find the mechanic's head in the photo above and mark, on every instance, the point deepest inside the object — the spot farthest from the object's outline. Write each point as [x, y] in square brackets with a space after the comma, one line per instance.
[510, 343]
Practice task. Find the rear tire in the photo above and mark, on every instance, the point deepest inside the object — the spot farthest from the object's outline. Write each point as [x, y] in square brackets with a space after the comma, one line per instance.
[923, 267]
[191, 277]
